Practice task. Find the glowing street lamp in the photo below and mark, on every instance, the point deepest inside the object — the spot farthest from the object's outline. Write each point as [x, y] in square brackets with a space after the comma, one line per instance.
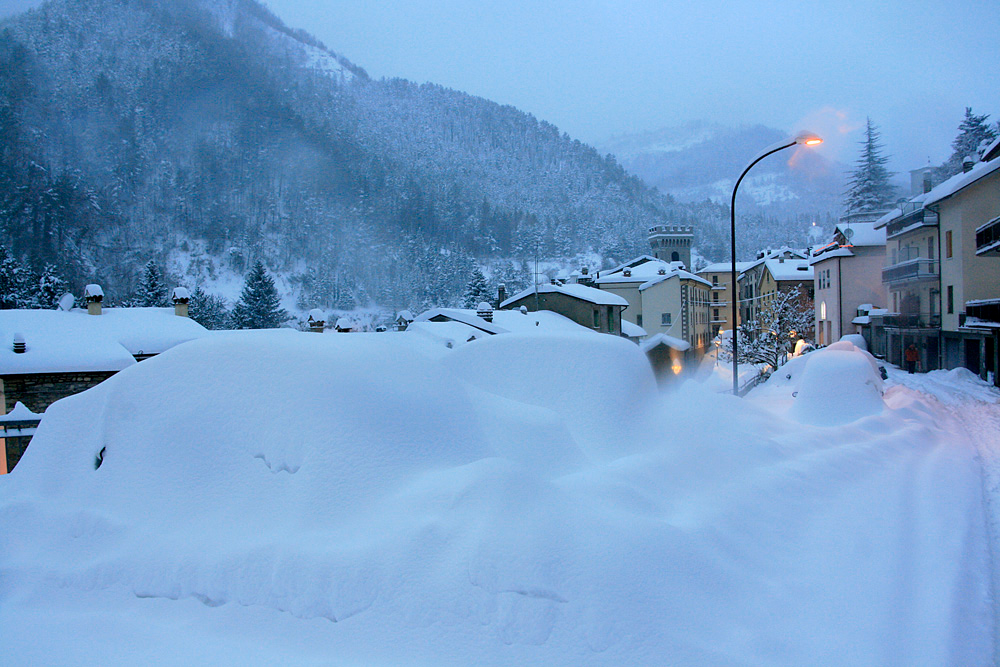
[805, 139]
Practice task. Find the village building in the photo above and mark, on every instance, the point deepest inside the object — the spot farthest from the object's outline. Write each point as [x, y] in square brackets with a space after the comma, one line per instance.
[967, 208]
[721, 276]
[662, 298]
[46, 355]
[589, 307]
[847, 273]
[774, 271]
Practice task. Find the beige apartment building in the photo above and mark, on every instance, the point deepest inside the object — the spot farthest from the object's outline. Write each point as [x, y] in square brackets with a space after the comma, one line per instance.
[967, 207]
[847, 273]
[720, 305]
[662, 298]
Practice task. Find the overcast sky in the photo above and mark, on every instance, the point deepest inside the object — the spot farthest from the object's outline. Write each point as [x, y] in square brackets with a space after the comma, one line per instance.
[598, 68]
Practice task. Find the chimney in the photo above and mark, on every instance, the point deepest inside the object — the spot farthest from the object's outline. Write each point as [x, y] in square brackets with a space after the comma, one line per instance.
[485, 311]
[316, 320]
[661, 271]
[628, 273]
[968, 163]
[180, 297]
[501, 294]
[93, 295]
[19, 346]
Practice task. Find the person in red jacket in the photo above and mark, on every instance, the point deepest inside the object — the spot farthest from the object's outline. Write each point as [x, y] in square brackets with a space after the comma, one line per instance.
[912, 356]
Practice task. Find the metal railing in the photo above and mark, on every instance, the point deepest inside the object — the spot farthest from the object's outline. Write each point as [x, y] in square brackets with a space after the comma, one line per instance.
[911, 269]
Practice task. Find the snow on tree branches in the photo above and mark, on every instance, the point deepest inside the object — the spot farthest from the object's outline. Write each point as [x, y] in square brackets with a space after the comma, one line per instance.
[780, 322]
[259, 306]
[869, 188]
[972, 131]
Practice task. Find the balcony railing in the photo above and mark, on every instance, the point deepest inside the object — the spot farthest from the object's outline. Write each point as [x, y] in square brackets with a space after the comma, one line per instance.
[911, 270]
[911, 320]
[987, 310]
[910, 220]
[988, 237]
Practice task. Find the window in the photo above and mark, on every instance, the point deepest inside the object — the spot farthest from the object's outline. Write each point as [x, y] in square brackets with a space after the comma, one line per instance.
[715, 281]
[947, 248]
[611, 318]
[715, 296]
[597, 319]
[951, 298]
[665, 319]
[930, 248]
[715, 313]
[638, 319]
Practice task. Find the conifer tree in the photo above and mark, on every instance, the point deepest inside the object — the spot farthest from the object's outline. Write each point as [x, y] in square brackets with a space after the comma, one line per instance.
[50, 287]
[259, 306]
[869, 188]
[208, 310]
[152, 291]
[15, 282]
[476, 291]
[972, 131]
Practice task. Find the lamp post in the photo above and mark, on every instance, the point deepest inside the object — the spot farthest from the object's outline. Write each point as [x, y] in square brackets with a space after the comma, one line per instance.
[806, 139]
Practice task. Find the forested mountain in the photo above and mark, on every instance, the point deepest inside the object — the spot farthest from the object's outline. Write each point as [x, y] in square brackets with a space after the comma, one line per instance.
[206, 134]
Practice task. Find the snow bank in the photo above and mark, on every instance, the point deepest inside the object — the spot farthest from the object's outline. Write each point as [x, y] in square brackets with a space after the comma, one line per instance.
[519, 499]
[599, 385]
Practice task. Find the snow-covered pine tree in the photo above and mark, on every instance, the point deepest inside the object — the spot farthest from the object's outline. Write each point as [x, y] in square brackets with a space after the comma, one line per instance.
[50, 287]
[208, 310]
[259, 306]
[152, 292]
[15, 283]
[971, 132]
[869, 188]
[476, 291]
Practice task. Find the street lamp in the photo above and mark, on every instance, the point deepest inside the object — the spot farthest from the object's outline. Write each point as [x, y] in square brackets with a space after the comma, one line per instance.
[805, 139]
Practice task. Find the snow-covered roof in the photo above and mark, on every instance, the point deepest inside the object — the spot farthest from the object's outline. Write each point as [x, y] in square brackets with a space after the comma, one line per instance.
[790, 269]
[725, 267]
[959, 182]
[862, 319]
[145, 330]
[60, 341]
[582, 292]
[992, 151]
[467, 317]
[317, 315]
[647, 273]
[541, 321]
[93, 290]
[405, 315]
[663, 339]
[862, 233]
[632, 330]
[180, 293]
[449, 334]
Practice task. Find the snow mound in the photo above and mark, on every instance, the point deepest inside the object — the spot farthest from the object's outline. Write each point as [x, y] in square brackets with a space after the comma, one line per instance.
[599, 385]
[837, 386]
[855, 339]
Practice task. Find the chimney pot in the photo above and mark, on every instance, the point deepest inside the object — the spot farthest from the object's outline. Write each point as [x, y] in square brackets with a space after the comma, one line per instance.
[19, 345]
[968, 163]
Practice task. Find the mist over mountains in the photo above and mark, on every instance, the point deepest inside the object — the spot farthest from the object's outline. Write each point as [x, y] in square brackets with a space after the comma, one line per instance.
[206, 134]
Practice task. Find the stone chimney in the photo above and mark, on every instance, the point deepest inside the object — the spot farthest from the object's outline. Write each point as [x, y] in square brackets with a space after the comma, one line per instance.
[93, 295]
[968, 163]
[485, 311]
[501, 294]
[316, 320]
[19, 345]
[180, 296]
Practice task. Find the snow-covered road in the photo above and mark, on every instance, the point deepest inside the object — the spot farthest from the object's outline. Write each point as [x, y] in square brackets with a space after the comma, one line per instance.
[972, 409]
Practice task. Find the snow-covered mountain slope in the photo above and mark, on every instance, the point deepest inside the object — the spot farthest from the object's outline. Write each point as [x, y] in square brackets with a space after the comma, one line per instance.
[132, 128]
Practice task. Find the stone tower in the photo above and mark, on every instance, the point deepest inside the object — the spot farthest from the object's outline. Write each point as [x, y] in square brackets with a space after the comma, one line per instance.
[672, 243]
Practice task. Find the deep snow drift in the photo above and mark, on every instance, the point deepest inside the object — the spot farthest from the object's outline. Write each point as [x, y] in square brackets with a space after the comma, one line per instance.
[289, 497]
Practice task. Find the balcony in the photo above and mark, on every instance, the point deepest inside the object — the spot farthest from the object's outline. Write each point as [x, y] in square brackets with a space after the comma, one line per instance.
[914, 217]
[984, 313]
[911, 270]
[988, 238]
[911, 321]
